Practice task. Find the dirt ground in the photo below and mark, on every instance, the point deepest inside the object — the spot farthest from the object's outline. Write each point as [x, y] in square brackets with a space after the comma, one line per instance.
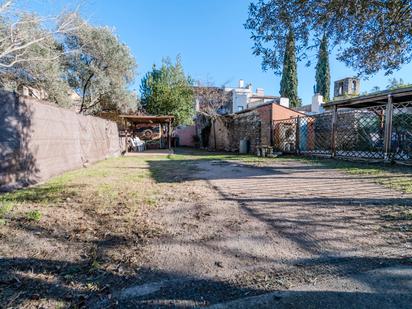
[203, 230]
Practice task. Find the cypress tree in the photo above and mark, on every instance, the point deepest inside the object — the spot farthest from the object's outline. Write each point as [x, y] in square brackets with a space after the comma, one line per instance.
[323, 70]
[289, 81]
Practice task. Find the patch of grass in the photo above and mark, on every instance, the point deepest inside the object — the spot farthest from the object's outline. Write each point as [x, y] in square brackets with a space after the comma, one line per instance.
[34, 215]
[5, 209]
[150, 201]
[107, 192]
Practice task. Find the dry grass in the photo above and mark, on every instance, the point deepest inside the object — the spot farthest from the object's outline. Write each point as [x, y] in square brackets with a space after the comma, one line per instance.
[84, 232]
[90, 224]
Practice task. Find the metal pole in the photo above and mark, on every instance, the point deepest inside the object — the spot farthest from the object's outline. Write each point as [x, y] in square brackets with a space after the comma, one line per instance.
[297, 139]
[334, 129]
[388, 129]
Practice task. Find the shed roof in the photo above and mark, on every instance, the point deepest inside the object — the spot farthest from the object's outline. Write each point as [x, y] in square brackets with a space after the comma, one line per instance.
[148, 119]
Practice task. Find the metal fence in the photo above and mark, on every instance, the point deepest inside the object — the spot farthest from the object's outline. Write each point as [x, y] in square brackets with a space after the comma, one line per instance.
[381, 132]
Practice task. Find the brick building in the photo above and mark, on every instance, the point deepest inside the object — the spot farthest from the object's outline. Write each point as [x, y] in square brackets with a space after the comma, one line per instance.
[255, 125]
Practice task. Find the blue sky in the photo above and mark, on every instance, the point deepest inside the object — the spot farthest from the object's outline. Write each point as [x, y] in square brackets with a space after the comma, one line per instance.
[209, 35]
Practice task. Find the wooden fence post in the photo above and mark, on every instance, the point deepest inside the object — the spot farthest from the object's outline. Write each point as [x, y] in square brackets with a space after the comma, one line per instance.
[169, 134]
[388, 129]
[334, 129]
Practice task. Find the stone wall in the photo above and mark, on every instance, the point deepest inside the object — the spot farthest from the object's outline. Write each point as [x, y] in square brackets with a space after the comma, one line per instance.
[39, 140]
[254, 125]
[230, 130]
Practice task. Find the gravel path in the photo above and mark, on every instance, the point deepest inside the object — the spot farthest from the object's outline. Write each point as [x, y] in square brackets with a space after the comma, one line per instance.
[243, 231]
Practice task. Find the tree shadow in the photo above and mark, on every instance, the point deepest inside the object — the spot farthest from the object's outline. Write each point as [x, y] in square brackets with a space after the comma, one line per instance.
[17, 162]
[23, 281]
[49, 193]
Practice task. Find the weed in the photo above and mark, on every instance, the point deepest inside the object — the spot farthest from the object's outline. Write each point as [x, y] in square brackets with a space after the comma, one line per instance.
[5, 209]
[95, 265]
[34, 215]
[150, 201]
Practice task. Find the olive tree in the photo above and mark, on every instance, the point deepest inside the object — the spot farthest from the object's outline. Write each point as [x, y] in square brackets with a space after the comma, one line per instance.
[101, 68]
[30, 53]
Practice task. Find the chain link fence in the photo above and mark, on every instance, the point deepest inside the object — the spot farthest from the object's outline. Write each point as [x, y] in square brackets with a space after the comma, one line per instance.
[374, 133]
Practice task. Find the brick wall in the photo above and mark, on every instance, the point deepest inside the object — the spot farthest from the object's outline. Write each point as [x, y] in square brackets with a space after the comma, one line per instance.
[39, 140]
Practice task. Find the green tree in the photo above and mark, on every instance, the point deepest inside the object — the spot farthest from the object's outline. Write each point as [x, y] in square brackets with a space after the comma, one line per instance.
[395, 84]
[323, 70]
[100, 69]
[167, 91]
[372, 35]
[289, 81]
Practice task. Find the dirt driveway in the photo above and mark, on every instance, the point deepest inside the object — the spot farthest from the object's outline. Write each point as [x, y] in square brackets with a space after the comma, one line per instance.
[199, 229]
[243, 231]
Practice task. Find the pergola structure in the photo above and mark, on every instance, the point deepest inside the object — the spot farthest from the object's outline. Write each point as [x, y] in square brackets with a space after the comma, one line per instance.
[387, 97]
[390, 102]
[167, 121]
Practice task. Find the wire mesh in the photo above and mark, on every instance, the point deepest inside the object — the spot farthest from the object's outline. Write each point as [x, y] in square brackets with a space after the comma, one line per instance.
[315, 134]
[401, 137]
[358, 133]
[285, 135]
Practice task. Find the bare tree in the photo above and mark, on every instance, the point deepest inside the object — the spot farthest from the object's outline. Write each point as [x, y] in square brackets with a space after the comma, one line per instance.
[211, 103]
[211, 100]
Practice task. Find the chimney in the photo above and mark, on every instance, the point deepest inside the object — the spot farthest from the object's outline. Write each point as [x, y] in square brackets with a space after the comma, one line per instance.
[260, 92]
[317, 101]
[284, 102]
[241, 83]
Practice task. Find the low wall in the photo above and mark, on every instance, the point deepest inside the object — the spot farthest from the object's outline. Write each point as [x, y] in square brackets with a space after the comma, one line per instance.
[186, 134]
[38, 140]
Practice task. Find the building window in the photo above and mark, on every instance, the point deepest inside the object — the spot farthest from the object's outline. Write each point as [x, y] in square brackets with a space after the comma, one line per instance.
[340, 91]
[354, 86]
[240, 108]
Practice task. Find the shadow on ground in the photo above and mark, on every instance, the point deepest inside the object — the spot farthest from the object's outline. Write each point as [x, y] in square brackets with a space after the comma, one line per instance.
[87, 283]
[33, 279]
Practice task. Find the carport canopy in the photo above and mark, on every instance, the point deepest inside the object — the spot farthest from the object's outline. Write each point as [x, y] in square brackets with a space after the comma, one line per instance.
[168, 120]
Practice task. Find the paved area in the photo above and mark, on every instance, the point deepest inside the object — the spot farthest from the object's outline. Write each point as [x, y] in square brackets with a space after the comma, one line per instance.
[288, 235]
